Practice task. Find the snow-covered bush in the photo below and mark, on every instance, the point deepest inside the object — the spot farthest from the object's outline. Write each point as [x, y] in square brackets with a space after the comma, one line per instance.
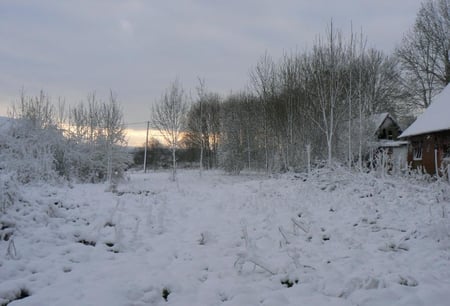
[97, 138]
[29, 152]
[34, 147]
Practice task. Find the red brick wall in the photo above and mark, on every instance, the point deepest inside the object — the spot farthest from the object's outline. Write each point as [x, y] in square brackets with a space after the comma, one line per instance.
[430, 142]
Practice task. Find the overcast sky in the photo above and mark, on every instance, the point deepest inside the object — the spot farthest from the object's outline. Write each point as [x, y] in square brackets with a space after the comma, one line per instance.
[136, 48]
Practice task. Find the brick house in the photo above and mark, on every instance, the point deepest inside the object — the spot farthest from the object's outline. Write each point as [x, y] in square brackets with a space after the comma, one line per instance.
[429, 136]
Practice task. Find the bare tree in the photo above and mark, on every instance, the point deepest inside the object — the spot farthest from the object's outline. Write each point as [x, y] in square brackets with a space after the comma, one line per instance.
[37, 111]
[231, 149]
[98, 131]
[111, 117]
[424, 53]
[201, 121]
[328, 72]
[168, 117]
[264, 81]
[203, 126]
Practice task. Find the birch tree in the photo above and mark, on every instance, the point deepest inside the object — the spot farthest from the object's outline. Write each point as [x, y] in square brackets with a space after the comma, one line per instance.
[203, 127]
[231, 150]
[264, 82]
[114, 135]
[327, 70]
[97, 140]
[168, 117]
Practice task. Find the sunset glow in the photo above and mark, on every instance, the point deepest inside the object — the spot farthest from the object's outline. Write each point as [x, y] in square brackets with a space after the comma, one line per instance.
[136, 137]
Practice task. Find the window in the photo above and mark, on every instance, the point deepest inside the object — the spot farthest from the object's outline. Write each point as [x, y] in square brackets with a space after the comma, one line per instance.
[390, 136]
[417, 151]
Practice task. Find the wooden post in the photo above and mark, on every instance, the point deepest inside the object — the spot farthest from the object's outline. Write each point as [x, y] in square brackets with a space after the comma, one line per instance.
[436, 162]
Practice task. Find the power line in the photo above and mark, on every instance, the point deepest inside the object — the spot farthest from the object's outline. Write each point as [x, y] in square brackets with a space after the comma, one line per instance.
[136, 123]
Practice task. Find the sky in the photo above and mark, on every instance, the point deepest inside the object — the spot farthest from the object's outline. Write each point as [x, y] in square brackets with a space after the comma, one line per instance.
[136, 48]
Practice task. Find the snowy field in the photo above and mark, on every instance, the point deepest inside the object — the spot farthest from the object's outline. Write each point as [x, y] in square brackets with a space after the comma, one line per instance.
[332, 239]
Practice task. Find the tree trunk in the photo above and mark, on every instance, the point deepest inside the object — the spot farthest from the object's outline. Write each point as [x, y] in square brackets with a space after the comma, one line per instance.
[174, 163]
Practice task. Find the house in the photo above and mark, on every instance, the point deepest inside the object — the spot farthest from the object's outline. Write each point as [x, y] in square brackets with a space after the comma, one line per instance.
[385, 127]
[386, 131]
[429, 136]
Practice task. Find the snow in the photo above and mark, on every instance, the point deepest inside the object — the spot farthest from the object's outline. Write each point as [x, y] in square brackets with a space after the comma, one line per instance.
[336, 238]
[393, 143]
[435, 118]
[389, 143]
[5, 124]
[378, 120]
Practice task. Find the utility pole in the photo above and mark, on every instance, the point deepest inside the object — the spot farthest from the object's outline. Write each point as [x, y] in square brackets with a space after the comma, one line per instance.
[145, 150]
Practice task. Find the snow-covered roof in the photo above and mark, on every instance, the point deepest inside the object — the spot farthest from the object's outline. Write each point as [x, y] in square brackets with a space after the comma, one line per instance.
[391, 143]
[378, 120]
[385, 143]
[435, 118]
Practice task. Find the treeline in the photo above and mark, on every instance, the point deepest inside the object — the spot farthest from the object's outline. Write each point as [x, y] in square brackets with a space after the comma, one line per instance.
[310, 105]
[318, 99]
[317, 105]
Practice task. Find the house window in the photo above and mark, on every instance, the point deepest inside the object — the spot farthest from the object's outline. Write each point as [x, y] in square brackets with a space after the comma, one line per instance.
[390, 137]
[417, 151]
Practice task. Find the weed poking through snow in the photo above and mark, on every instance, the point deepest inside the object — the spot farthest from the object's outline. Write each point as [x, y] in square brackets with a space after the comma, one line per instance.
[165, 293]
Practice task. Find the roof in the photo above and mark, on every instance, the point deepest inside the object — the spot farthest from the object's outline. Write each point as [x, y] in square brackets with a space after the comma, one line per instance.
[384, 143]
[378, 119]
[392, 143]
[436, 117]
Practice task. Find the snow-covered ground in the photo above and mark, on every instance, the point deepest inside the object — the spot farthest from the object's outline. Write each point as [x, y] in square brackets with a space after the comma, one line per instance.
[333, 239]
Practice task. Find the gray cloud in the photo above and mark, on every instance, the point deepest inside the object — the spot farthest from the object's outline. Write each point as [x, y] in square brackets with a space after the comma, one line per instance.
[136, 48]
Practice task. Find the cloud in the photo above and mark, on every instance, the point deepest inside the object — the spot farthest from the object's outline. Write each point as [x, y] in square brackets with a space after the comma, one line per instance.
[137, 48]
[126, 26]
